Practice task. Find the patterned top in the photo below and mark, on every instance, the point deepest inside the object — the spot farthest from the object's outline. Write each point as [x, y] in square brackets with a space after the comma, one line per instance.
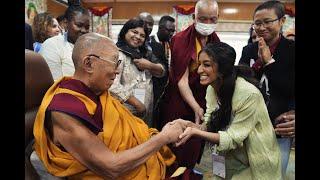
[128, 80]
[249, 143]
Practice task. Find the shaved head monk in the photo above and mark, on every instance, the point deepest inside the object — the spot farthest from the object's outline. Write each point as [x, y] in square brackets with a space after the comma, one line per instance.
[81, 132]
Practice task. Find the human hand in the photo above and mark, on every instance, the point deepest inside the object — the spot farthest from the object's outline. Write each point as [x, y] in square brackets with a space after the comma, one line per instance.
[142, 64]
[139, 107]
[185, 123]
[186, 135]
[171, 131]
[286, 124]
[263, 51]
[198, 114]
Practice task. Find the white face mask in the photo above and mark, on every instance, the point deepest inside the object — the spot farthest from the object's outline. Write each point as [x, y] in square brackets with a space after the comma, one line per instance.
[205, 29]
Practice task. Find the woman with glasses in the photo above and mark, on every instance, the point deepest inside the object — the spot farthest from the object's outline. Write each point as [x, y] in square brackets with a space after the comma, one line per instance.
[273, 60]
[133, 85]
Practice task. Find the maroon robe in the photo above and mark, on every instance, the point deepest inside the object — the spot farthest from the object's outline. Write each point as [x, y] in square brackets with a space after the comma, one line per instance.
[71, 105]
[183, 50]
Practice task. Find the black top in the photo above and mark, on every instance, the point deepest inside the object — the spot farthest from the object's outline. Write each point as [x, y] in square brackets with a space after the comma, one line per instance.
[280, 74]
[28, 37]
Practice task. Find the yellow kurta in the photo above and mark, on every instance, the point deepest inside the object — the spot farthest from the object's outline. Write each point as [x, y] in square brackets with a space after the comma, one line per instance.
[249, 143]
[121, 131]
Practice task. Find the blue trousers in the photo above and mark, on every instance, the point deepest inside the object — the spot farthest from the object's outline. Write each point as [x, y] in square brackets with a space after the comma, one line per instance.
[285, 147]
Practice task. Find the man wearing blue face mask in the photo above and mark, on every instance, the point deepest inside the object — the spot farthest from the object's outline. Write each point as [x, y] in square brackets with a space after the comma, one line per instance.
[185, 97]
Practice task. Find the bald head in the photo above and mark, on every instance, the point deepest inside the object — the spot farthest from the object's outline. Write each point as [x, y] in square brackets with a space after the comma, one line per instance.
[91, 43]
[146, 16]
[201, 4]
[148, 21]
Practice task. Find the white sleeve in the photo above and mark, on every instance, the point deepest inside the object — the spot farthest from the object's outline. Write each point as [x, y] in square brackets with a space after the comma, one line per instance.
[52, 54]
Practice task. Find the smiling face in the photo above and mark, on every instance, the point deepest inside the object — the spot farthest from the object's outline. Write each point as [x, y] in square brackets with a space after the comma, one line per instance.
[208, 69]
[135, 37]
[78, 26]
[53, 29]
[270, 25]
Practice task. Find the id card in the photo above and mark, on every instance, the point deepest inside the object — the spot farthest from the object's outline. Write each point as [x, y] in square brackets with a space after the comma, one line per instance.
[139, 94]
[219, 165]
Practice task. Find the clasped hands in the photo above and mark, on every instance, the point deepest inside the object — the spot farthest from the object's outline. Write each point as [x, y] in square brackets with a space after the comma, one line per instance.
[180, 131]
[286, 124]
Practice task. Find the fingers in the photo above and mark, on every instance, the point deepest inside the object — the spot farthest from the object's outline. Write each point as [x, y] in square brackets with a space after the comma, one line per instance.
[183, 140]
[286, 133]
[286, 124]
[289, 117]
[284, 130]
[197, 118]
[286, 117]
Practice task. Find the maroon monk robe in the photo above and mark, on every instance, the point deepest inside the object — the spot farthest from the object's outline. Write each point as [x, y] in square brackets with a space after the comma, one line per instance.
[71, 105]
[183, 51]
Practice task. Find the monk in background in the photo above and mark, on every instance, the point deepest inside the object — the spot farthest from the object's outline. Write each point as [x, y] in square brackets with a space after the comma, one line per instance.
[185, 96]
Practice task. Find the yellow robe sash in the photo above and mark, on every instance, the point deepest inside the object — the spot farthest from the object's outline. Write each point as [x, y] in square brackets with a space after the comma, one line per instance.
[195, 64]
[121, 131]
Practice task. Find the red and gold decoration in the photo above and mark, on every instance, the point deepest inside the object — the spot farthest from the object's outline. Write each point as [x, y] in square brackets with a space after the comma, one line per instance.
[183, 16]
[101, 20]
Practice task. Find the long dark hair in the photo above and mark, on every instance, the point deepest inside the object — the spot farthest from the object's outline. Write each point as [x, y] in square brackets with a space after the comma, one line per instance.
[122, 43]
[224, 56]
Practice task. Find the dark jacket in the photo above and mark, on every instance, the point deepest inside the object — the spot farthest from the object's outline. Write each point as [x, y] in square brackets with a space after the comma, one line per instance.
[28, 37]
[159, 84]
[280, 74]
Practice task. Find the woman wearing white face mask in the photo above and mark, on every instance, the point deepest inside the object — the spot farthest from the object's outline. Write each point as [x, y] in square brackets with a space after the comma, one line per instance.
[185, 97]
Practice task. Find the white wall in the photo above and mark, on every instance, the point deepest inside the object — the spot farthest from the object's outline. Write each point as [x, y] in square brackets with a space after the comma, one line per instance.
[235, 39]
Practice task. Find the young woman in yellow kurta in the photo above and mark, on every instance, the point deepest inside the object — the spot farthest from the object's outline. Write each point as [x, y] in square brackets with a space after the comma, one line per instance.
[236, 117]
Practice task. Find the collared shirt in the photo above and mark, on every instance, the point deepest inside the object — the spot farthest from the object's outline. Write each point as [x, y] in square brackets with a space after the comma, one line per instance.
[249, 143]
[57, 51]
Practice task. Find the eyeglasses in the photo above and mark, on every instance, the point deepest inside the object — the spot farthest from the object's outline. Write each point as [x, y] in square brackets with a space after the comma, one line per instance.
[266, 23]
[116, 63]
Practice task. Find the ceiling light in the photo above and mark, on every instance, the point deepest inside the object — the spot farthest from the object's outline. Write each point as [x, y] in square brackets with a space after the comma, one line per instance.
[230, 10]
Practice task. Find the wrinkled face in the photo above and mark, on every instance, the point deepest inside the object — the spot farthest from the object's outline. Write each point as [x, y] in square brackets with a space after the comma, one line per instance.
[78, 26]
[207, 15]
[267, 24]
[54, 29]
[166, 33]
[135, 37]
[104, 69]
[208, 69]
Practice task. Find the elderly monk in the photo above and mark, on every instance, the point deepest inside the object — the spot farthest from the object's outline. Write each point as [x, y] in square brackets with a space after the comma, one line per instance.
[81, 132]
[185, 96]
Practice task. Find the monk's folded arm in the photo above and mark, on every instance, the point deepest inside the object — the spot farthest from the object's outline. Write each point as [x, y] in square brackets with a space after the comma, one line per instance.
[89, 150]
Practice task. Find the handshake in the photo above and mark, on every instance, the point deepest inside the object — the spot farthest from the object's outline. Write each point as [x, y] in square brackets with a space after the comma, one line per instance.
[179, 131]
